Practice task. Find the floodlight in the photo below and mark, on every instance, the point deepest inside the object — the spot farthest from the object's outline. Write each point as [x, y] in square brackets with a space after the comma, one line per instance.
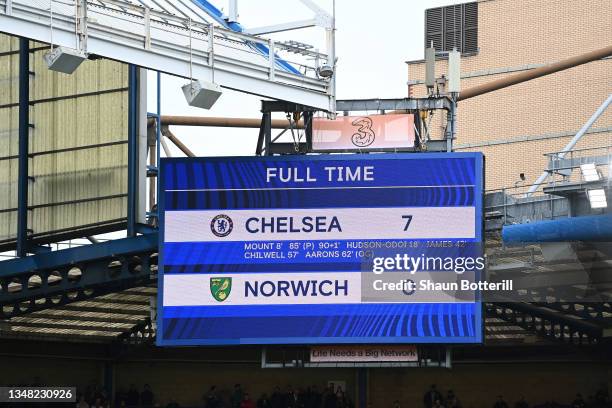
[597, 198]
[325, 71]
[64, 59]
[589, 172]
[202, 94]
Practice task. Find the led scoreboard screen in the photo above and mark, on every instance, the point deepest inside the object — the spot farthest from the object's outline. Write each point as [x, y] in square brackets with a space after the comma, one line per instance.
[377, 248]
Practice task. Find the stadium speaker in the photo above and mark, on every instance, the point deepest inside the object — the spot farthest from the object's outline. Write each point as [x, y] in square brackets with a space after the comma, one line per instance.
[202, 94]
[66, 60]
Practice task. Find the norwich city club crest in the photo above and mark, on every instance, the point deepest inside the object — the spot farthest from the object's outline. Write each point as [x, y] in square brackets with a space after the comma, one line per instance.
[220, 288]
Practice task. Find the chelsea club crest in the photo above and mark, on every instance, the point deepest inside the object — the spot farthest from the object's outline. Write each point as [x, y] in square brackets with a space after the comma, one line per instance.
[221, 225]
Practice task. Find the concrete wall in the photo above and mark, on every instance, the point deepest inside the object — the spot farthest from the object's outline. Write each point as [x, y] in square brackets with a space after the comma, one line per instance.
[520, 35]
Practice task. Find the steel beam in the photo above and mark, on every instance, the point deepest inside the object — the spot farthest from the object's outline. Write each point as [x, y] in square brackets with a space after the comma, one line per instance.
[233, 11]
[260, 139]
[140, 333]
[308, 118]
[267, 132]
[61, 277]
[168, 133]
[142, 144]
[122, 37]
[393, 104]
[72, 256]
[68, 338]
[573, 142]
[79, 318]
[547, 323]
[67, 326]
[132, 149]
[288, 148]
[284, 106]
[277, 28]
[593, 311]
[559, 165]
[92, 309]
[24, 130]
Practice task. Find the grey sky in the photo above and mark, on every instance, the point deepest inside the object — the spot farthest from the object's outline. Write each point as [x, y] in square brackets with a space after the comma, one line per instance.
[373, 40]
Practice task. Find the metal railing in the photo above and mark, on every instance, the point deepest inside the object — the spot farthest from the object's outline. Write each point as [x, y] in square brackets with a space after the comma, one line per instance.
[516, 198]
[562, 170]
[519, 200]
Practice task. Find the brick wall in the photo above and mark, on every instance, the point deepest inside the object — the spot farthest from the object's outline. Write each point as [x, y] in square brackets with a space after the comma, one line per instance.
[513, 35]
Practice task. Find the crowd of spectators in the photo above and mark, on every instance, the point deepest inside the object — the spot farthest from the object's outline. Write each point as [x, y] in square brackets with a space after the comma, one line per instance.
[94, 396]
[335, 397]
[434, 398]
[309, 397]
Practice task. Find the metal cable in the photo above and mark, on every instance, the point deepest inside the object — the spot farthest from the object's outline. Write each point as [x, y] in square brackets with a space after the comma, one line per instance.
[51, 21]
[190, 54]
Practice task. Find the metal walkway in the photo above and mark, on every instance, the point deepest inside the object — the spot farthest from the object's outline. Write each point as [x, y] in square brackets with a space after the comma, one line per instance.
[157, 39]
[563, 290]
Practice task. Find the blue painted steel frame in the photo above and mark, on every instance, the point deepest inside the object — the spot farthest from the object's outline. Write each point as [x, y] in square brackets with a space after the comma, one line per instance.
[69, 256]
[132, 148]
[479, 182]
[107, 267]
[158, 139]
[24, 130]
[217, 15]
[157, 117]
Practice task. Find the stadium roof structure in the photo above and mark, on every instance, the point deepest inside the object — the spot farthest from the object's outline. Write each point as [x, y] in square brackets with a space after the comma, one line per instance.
[185, 38]
[128, 315]
[106, 292]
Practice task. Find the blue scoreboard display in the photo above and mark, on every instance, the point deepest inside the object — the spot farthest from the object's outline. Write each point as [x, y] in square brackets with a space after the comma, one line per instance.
[376, 248]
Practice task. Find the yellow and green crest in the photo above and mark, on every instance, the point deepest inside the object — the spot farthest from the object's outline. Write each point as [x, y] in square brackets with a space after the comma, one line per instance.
[220, 288]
